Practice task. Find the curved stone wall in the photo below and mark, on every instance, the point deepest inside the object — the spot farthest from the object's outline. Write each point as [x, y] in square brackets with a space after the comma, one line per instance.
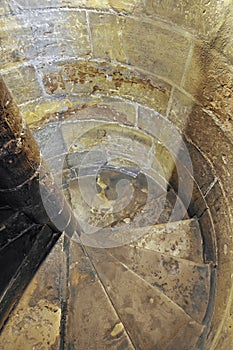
[77, 58]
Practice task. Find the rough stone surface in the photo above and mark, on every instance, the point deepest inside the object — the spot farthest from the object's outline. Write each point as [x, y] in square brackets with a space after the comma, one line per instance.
[101, 77]
[181, 109]
[16, 42]
[92, 321]
[95, 4]
[185, 283]
[217, 147]
[106, 35]
[180, 114]
[35, 323]
[23, 83]
[53, 34]
[209, 79]
[33, 4]
[219, 211]
[134, 297]
[180, 239]
[225, 339]
[37, 113]
[124, 6]
[121, 6]
[103, 109]
[60, 34]
[4, 8]
[159, 44]
[203, 17]
[202, 172]
[152, 48]
[224, 40]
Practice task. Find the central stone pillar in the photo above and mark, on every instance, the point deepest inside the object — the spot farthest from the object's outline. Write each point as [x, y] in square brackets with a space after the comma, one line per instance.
[24, 176]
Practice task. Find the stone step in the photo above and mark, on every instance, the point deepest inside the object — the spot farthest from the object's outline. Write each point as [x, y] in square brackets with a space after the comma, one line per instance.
[152, 320]
[184, 282]
[22, 258]
[12, 225]
[92, 322]
[35, 322]
[178, 239]
[12, 255]
[110, 207]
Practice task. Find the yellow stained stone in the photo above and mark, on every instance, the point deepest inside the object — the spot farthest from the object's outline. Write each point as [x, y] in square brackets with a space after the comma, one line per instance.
[118, 328]
[31, 326]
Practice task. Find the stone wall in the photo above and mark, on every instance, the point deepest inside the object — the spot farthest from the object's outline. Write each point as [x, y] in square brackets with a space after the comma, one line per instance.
[173, 57]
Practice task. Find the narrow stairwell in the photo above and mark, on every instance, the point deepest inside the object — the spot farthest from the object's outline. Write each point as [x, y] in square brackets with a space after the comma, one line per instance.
[130, 278]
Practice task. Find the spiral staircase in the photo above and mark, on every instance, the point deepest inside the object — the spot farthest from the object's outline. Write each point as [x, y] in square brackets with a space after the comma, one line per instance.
[116, 170]
[130, 277]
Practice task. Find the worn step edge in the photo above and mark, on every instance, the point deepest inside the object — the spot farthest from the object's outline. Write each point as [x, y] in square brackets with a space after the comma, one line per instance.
[92, 256]
[197, 316]
[171, 229]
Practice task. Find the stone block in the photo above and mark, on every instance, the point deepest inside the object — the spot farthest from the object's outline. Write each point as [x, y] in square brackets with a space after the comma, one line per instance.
[165, 132]
[87, 297]
[111, 110]
[39, 112]
[212, 142]
[106, 35]
[17, 43]
[155, 48]
[44, 34]
[92, 4]
[181, 109]
[124, 6]
[223, 42]
[207, 137]
[46, 110]
[121, 6]
[60, 34]
[220, 213]
[4, 8]
[203, 17]
[202, 172]
[40, 4]
[35, 4]
[209, 79]
[37, 316]
[23, 83]
[225, 339]
[106, 79]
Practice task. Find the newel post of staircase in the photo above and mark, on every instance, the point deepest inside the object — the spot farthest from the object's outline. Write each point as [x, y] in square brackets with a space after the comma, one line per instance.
[28, 192]
[24, 176]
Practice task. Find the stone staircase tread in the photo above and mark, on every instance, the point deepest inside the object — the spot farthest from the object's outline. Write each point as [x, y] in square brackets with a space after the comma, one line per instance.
[150, 317]
[179, 239]
[13, 228]
[184, 282]
[96, 211]
[32, 246]
[92, 321]
[36, 319]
